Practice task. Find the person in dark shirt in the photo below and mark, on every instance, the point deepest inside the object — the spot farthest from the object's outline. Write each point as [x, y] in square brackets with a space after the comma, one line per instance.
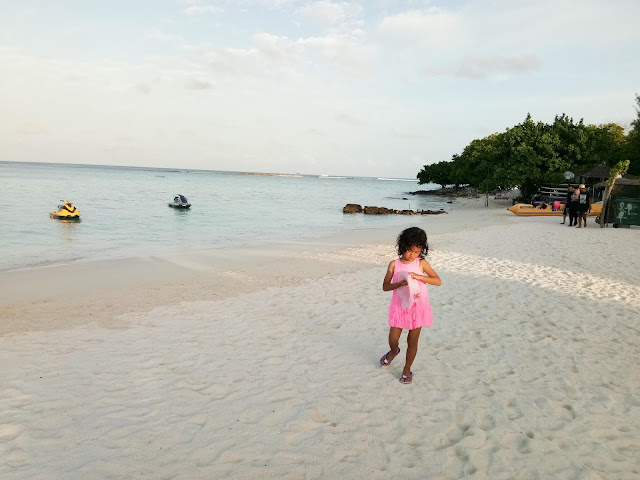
[573, 208]
[567, 204]
[583, 206]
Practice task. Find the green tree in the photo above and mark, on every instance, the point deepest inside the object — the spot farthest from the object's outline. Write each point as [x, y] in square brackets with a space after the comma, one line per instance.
[439, 173]
[633, 142]
[572, 142]
[530, 154]
[605, 144]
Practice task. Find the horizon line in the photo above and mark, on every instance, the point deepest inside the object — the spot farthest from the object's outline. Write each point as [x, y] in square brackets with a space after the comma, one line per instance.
[379, 177]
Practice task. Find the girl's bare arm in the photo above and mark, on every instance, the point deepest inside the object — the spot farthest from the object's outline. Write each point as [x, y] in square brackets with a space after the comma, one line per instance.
[431, 276]
[386, 283]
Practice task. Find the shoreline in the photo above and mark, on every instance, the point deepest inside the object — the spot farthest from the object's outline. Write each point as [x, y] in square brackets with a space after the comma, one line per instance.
[78, 293]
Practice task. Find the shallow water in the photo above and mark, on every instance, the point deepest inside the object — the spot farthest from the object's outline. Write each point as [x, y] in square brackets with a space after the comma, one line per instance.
[125, 211]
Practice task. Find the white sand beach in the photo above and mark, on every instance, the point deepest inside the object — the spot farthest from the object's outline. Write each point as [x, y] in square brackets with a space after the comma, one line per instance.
[263, 362]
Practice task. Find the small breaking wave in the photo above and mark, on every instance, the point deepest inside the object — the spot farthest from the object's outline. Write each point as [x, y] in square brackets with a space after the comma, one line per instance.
[396, 180]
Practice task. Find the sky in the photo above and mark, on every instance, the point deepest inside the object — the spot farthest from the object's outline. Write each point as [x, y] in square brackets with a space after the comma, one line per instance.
[367, 88]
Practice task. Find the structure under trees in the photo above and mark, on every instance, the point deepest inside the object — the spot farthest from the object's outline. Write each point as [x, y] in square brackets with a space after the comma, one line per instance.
[618, 170]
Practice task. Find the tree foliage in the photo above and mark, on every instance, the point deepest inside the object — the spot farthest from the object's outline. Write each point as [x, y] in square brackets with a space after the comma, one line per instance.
[633, 142]
[533, 153]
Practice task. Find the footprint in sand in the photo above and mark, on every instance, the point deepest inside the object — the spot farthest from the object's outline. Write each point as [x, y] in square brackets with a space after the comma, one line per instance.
[511, 410]
[10, 431]
[451, 436]
[487, 422]
[459, 466]
[569, 409]
[16, 458]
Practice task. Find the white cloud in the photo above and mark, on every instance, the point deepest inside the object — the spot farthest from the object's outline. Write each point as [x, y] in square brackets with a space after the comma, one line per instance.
[350, 118]
[496, 39]
[505, 26]
[31, 128]
[405, 133]
[273, 55]
[351, 55]
[157, 35]
[277, 49]
[144, 88]
[232, 61]
[198, 84]
[267, 3]
[199, 7]
[323, 12]
[432, 27]
[481, 67]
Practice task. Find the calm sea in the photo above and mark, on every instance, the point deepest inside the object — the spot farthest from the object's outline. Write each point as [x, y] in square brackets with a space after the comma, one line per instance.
[125, 212]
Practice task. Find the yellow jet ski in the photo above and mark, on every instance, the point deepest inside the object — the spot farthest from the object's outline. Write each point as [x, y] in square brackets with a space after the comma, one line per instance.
[66, 211]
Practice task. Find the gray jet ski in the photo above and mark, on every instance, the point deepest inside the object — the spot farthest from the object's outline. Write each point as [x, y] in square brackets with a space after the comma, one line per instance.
[179, 201]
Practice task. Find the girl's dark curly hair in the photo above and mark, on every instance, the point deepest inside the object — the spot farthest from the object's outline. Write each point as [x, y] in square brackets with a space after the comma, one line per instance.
[413, 237]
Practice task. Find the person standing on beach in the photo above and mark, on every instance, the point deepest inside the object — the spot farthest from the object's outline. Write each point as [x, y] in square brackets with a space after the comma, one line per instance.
[583, 205]
[567, 203]
[408, 276]
[573, 208]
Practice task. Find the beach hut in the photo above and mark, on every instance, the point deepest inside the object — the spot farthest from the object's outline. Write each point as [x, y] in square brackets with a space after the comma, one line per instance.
[594, 176]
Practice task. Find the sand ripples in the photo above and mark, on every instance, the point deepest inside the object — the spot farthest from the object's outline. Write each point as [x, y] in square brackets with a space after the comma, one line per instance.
[565, 281]
[522, 376]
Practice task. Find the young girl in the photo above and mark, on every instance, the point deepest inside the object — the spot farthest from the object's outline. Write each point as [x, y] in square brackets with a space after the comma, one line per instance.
[409, 267]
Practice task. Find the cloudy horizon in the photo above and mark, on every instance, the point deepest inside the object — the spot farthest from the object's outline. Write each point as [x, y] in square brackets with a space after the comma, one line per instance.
[375, 88]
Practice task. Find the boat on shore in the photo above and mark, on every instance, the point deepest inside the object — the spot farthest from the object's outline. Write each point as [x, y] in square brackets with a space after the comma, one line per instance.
[66, 211]
[547, 210]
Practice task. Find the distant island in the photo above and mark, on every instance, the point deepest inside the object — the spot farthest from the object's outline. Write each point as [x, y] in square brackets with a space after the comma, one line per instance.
[272, 174]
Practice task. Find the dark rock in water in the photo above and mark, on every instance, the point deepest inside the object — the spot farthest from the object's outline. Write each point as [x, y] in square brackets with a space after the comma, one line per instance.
[369, 210]
[377, 210]
[352, 208]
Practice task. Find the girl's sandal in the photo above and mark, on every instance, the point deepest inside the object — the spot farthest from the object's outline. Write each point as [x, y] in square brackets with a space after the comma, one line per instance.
[383, 360]
[406, 379]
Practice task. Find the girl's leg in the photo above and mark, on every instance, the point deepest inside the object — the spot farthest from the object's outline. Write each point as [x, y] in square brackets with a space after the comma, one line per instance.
[412, 349]
[394, 339]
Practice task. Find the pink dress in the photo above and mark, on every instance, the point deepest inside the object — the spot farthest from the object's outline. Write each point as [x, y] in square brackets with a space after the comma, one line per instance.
[417, 315]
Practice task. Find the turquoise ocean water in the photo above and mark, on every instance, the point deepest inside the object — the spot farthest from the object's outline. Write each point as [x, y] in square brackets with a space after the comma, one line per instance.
[125, 212]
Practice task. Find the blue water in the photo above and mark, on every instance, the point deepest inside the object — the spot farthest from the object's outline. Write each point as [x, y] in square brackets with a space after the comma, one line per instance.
[125, 212]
